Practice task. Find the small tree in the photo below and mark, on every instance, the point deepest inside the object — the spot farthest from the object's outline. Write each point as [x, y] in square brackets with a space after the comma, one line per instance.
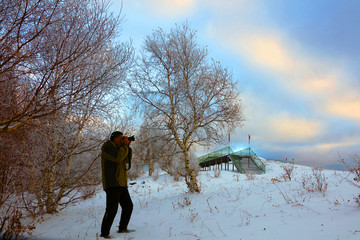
[156, 148]
[54, 53]
[317, 182]
[355, 170]
[149, 153]
[60, 71]
[191, 99]
[83, 67]
[288, 171]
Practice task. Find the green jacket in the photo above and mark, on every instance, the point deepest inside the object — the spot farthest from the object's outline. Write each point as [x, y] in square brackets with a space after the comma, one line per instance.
[113, 164]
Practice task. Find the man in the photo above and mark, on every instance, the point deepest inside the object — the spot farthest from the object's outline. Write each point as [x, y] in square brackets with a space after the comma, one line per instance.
[115, 154]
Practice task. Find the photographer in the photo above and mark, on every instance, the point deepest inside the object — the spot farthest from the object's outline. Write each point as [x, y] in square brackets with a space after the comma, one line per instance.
[115, 155]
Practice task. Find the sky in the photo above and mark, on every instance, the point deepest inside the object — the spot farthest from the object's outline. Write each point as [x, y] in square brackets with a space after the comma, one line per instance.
[297, 64]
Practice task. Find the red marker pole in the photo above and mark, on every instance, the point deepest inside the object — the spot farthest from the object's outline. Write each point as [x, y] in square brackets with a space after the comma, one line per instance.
[249, 144]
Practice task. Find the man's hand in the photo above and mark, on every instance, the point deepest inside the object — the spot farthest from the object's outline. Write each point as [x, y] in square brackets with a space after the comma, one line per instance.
[126, 141]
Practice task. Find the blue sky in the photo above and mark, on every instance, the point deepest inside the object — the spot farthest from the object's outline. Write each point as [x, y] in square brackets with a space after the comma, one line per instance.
[297, 63]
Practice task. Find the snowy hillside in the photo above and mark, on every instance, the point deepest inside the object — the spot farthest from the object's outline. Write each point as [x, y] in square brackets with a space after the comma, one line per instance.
[229, 207]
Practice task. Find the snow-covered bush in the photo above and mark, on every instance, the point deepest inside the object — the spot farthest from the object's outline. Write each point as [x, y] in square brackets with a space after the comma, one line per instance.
[355, 173]
[182, 203]
[236, 177]
[250, 176]
[357, 200]
[217, 171]
[288, 171]
[11, 226]
[315, 182]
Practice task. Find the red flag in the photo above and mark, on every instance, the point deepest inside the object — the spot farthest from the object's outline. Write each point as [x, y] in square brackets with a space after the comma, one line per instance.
[229, 137]
[249, 139]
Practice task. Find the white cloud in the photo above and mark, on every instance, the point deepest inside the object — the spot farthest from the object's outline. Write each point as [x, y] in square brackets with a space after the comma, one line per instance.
[347, 105]
[317, 81]
[170, 8]
[336, 145]
[319, 84]
[282, 127]
[268, 52]
[288, 128]
[159, 9]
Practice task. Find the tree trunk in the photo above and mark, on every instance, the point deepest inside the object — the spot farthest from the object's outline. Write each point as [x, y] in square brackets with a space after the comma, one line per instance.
[192, 183]
[150, 163]
[151, 169]
[50, 190]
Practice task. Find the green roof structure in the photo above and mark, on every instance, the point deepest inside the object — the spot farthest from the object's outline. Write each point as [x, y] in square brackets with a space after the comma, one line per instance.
[244, 160]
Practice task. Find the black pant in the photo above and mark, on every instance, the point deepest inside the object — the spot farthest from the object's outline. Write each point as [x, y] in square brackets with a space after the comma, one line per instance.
[114, 196]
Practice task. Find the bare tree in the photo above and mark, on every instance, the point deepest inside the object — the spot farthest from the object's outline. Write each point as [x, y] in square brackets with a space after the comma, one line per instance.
[156, 148]
[23, 24]
[192, 99]
[51, 51]
[148, 154]
[61, 71]
[83, 68]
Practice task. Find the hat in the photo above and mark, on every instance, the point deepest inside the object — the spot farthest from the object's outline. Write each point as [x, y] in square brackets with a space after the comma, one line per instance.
[115, 135]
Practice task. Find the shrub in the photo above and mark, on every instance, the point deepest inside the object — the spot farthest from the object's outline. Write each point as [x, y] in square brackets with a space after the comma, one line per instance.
[250, 176]
[237, 177]
[217, 172]
[288, 171]
[357, 200]
[182, 203]
[315, 182]
[11, 226]
[355, 171]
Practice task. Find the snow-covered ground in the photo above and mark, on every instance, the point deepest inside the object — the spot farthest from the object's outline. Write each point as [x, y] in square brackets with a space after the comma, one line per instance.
[228, 207]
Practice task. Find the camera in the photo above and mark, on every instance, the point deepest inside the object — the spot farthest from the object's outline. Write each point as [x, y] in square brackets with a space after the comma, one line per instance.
[132, 138]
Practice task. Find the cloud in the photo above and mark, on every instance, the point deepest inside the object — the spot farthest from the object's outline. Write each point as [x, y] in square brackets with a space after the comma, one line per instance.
[289, 129]
[336, 145]
[171, 8]
[223, 7]
[280, 127]
[320, 83]
[347, 106]
[267, 51]
[153, 11]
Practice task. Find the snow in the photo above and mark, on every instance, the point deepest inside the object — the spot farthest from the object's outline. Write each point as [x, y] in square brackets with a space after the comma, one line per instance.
[228, 207]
